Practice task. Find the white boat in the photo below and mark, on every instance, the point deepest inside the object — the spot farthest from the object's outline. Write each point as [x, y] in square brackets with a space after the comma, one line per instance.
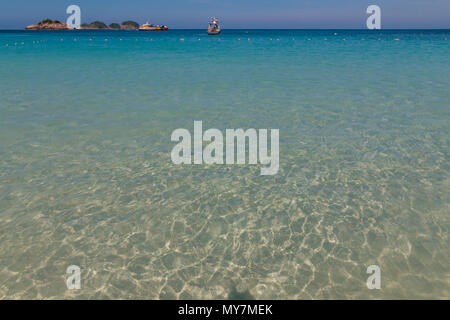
[214, 27]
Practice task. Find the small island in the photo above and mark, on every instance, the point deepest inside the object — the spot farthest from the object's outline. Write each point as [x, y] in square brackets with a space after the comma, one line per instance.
[129, 25]
[49, 24]
[94, 25]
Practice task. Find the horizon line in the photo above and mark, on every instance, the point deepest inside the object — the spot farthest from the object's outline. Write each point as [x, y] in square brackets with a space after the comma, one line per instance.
[360, 29]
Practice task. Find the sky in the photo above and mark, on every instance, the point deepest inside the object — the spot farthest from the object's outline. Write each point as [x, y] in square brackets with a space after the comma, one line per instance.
[235, 14]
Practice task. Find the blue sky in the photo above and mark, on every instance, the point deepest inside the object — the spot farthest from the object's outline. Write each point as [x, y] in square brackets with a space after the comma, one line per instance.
[16, 14]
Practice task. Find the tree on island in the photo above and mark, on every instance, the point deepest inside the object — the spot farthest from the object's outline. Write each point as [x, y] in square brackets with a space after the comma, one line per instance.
[130, 24]
[114, 26]
[99, 25]
[48, 21]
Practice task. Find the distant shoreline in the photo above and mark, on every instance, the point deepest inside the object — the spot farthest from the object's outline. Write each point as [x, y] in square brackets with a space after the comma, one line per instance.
[56, 25]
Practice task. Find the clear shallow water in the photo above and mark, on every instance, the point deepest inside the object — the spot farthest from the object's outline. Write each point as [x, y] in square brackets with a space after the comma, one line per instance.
[86, 176]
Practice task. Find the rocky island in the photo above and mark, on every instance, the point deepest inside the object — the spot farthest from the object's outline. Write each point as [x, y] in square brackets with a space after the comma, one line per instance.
[48, 24]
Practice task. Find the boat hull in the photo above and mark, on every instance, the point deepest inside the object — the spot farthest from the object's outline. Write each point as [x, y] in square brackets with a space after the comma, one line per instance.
[154, 30]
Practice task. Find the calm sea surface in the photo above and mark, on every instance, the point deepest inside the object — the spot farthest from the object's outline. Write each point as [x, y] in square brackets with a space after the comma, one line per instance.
[86, 176]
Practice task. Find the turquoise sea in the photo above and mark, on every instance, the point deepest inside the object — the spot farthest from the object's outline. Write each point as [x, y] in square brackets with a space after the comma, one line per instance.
[86, 176]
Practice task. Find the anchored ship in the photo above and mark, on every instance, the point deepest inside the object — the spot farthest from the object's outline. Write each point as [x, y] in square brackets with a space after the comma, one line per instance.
[214, 27]
[150, 27]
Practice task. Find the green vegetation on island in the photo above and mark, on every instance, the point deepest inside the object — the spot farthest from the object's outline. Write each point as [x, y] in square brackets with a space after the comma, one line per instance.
[48, 21]
[131, 24]
[114, 26]
[95, 25]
